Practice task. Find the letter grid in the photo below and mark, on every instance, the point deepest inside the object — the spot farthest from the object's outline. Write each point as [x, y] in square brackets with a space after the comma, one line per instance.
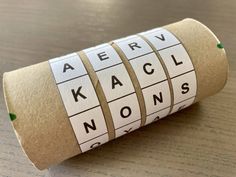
[157, 58]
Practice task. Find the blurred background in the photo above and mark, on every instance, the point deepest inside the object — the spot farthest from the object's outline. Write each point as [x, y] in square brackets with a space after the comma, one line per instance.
[35, 31]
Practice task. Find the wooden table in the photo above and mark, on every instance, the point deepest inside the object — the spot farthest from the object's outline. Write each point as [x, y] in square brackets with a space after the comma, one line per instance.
[198, 141]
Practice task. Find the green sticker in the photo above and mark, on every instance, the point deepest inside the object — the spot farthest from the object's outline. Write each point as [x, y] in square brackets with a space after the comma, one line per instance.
[12, 116]
[220, 46]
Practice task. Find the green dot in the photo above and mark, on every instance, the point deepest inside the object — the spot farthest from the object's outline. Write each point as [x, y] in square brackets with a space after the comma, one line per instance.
[220, 46]
[12, 116]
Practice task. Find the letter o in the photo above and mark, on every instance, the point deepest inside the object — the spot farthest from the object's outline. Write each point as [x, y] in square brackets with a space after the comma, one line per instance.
[127, 114]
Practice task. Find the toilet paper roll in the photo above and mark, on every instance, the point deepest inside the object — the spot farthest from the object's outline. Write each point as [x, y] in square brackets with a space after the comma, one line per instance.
[70, 104]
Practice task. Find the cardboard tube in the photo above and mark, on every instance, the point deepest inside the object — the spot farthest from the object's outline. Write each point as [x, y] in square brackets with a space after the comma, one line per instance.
[42, 125]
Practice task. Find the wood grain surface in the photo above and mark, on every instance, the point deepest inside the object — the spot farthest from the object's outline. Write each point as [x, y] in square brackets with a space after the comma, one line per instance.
[198, 141]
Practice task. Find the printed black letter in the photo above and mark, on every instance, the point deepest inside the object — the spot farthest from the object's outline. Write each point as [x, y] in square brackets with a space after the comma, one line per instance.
[133, 45]
[86, 126]
[77, 93]
[181, 107]
[102, 56]
[145, 69]
[185, 88]
[127, 131]
[157, 118]
[128, 113]
[95, 145]
[176, 62]
[160, 98]
[115, 81]
[67, 66]
[161, 38]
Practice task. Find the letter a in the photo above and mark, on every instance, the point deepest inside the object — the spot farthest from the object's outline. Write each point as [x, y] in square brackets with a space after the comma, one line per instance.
[115, 81]
[66, 67]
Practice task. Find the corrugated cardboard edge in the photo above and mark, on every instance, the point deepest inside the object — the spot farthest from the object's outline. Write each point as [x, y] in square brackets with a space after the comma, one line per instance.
[201, 45]
[43, 130]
